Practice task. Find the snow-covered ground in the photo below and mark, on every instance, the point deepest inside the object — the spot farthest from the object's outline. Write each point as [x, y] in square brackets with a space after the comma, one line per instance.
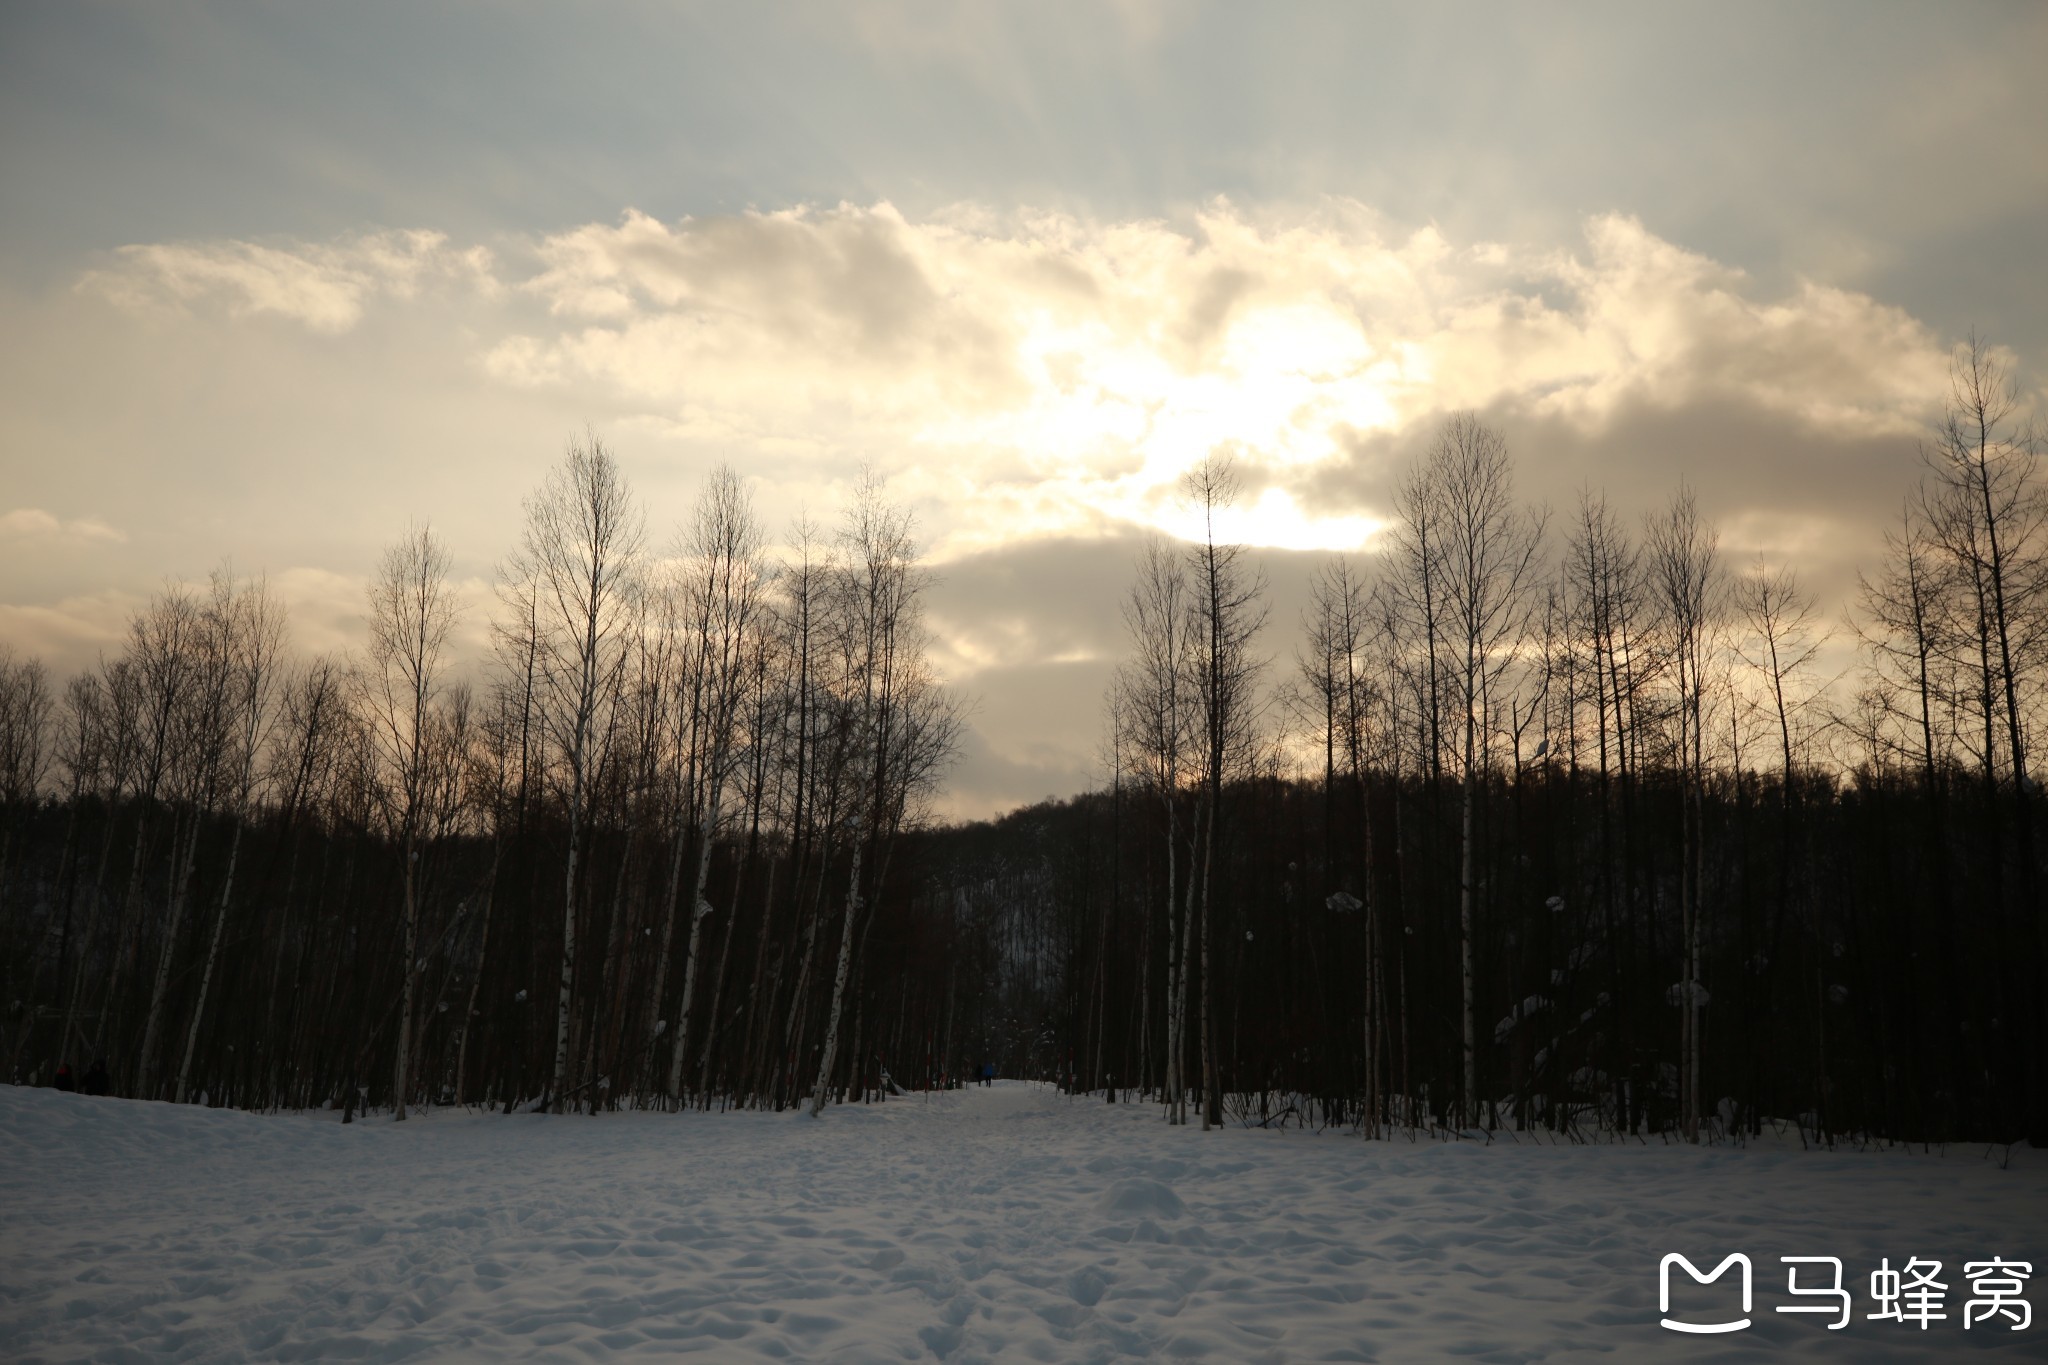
[1008, 1223]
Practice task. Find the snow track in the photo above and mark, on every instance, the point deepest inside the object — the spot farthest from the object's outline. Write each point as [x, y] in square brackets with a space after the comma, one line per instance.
[1006, 1222]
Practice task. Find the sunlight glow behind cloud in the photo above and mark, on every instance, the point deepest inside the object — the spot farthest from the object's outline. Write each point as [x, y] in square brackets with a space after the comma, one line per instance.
[1040, 373]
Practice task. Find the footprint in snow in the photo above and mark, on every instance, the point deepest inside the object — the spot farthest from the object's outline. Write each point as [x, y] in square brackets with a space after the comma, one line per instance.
[1086, 1285]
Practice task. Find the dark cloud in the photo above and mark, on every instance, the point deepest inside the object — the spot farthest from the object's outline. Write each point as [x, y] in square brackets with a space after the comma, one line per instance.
[1036, 727]
[995, 601]
[1032, 734]
[1739, 458]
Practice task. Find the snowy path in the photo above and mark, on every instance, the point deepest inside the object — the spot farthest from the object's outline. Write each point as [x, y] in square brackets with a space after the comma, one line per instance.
[1007, 1222]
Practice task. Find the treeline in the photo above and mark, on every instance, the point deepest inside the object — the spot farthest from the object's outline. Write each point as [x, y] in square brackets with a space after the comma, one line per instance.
[1538, 822]
[648, 857]
[1557, 825]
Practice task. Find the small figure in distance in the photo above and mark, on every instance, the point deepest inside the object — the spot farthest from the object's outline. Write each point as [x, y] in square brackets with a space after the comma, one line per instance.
[95, 1080]
[64, 1080]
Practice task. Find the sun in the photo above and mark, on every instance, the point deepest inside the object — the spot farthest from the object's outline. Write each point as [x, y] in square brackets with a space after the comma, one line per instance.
[1274, 520]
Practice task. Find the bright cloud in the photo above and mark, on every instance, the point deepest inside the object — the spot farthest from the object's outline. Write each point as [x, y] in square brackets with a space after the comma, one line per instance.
[1043, 372]
[1025, 373]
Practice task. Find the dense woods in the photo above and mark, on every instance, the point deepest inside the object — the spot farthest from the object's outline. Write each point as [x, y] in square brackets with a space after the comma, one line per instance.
[1536, 819]
[639, 859]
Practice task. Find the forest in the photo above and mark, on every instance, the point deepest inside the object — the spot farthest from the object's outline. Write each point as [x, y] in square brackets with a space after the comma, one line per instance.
[1536, 820]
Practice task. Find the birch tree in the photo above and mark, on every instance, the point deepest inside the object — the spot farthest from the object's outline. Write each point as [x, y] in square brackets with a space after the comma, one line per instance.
[249, 625]
[1227, 612]
[411, 615]
[1682, 558]
[25, 709]
[1991, 516]
[1337, 624]
[197, 742]
[570, 579]
[900, 728]
[1474, 551]
[1155, 695]
[726, 571]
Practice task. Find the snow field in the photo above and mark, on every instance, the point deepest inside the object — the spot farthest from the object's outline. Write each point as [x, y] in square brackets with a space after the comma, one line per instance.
[1002, 1223]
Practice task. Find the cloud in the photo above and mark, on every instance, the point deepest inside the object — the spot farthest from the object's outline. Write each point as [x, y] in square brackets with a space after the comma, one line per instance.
[1029, 602]
[1032, 737]
[1021, 373]
[1031, 383]
[326, 286]
[70, 634]
[329, 613]
[1041, 373]
[33, 524]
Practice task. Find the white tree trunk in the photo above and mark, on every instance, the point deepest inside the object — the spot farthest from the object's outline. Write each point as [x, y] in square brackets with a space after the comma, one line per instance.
[475, 982]
[668, 930]
[1174, 971]
[401, 1064]
[1210, 1099]
[838, 985]
[1180, 995]
[145, 1085]
[700, 908]
[561, 1072]
[1465, 896]
[220, 919]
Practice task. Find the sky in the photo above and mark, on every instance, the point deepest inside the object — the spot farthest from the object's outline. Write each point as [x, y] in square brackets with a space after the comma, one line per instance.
[276, 280]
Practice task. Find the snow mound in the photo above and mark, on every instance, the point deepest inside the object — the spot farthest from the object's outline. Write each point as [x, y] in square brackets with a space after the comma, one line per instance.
[1146, 1198]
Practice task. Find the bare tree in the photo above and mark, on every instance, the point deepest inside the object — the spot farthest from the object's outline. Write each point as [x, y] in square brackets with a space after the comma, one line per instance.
[901, 730]
[1904, 608]
[96, 751]
[412, 613]
[1991, 516]
[1473, 572]
[1154, 697]
[723, 554]
[1783, 641]
[25, 709]
[305, 753]
[569, 579]
[1226, 612]
[198, 740]
[1682, 556]
[1338, 624]
[249, 626]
